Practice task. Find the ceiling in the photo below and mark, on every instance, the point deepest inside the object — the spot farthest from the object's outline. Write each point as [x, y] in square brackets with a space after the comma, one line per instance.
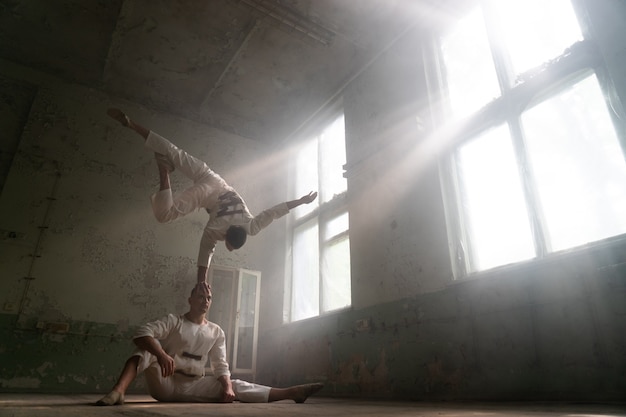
[256, 68]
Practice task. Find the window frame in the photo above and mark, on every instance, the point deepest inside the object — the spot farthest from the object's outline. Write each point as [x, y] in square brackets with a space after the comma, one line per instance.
[518, 94]
[322, 215]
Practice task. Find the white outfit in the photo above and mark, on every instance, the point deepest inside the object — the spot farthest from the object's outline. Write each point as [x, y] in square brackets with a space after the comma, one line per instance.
[191, 345]
[224, 205]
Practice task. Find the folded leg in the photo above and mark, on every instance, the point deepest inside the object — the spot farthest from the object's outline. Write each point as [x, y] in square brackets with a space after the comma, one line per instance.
[192, 167]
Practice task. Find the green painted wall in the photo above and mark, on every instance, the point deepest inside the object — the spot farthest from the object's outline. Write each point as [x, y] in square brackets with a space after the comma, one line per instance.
[79, 358]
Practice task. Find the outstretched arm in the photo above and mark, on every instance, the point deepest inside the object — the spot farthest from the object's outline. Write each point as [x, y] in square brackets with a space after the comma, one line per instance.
[266, 217]
[205, 252]
[305, 199]
[203, 274]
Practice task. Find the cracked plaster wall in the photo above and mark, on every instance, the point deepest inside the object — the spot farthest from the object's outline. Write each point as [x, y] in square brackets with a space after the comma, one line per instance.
[83, 261]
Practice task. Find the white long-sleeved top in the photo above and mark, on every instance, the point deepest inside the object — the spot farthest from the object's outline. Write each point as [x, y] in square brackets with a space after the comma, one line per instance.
[209, 191]
[217, 226]
[190, 344]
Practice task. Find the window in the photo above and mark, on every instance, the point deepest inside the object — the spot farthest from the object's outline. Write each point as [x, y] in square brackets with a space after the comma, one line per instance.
[537, 165]
[320, 261]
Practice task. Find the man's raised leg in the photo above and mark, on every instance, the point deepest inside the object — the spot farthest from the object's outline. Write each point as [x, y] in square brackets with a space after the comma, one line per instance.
[120, 116]
[126, 121]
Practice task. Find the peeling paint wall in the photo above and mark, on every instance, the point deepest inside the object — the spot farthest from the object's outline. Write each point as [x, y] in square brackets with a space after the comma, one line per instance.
[396, 208]
[78, 193]
[83, 261]
[551, 332]
[86, 358]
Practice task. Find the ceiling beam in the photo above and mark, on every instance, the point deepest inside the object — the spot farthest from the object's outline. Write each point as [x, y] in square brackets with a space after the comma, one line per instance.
[292, 20]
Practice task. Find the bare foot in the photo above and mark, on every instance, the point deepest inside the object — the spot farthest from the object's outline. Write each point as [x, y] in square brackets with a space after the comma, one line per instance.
[119, 115]
[302, 392]
[112, 398]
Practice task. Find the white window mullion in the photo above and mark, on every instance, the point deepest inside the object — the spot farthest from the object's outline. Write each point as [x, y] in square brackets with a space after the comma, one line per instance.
[541, 239]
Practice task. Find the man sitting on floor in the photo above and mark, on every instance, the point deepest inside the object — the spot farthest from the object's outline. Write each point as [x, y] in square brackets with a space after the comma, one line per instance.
[172, 353]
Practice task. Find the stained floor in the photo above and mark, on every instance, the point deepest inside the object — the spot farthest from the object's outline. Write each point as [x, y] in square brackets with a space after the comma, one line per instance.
[38, 405]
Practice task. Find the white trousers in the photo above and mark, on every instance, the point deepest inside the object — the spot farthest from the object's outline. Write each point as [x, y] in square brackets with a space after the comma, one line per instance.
[182, 388]
[206, 188]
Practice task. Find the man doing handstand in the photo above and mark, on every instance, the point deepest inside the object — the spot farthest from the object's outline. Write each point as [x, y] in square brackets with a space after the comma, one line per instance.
[230, 220]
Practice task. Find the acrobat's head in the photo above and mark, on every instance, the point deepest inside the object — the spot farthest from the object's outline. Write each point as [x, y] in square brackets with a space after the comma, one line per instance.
[235, 237]
[200, 298]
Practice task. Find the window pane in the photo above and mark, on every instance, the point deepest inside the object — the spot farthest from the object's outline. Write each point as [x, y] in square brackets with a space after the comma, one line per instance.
[470, 74]
[535, 31]
[306, 179]
[336, 273]
[336, 226]
[332, 159]
[305, 276]
[493, 202]
[579, 166]
[245, 330]
[319, 167]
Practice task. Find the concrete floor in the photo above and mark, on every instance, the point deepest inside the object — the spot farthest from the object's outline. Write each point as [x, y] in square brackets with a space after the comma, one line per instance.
[40, 405]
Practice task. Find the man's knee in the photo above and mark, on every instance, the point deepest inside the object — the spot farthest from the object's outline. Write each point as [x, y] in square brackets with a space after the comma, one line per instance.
[162, 219]
[133, 360]
[164, 216]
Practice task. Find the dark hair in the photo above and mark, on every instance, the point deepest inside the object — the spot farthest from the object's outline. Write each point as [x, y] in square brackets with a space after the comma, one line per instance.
[194, 290]
[236, 236]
